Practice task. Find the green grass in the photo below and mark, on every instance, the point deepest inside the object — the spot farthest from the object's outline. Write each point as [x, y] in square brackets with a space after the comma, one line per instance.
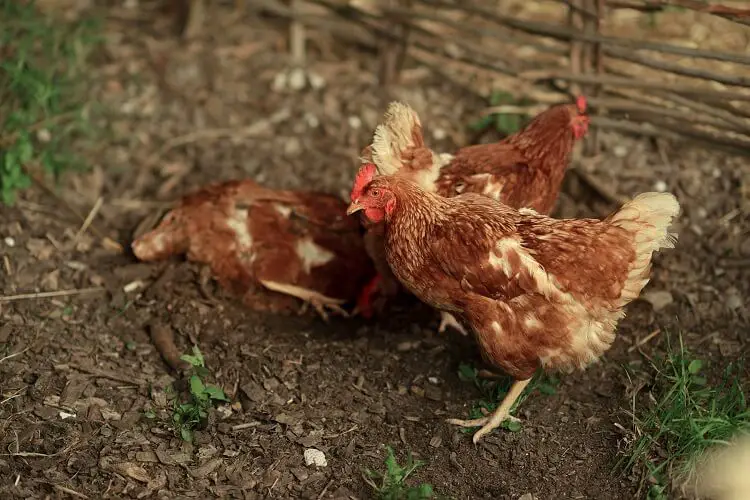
[392, 482]
[192, 413]
[493, 392]
[687, 415]
[506, 123]
[42, 102]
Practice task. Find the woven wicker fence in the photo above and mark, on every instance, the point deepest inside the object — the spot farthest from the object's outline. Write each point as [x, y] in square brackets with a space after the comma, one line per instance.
[637, 86]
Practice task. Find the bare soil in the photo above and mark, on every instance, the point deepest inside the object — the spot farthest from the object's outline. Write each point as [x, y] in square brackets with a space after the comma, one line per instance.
[78, 371]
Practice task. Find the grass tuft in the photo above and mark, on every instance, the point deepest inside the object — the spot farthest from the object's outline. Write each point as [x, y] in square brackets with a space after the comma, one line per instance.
[43, 106]
[686, 416]
[393, 481]
[193, 413]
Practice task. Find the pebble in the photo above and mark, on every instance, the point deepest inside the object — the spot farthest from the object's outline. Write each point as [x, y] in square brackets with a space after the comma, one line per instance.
[10, 241]
[659, 299]
[297, 79]
[439, 134]
[660, 186]
[315, 457]
[355, 122]
[620, 151]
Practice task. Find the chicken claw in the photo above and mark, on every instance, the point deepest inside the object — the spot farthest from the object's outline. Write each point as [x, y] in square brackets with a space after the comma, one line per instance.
[501, 413]
[447, 319]
[319, 302]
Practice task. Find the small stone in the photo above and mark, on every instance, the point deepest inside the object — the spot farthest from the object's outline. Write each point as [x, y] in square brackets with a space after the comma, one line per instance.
[660, 186]
[279, 82]
[355, 122]
[315, 457]
[439, 134]
[297, 79]
[311, 120]
[620, 151]
[317, 82]
[10, 241]
[659, 299]
[44, 135]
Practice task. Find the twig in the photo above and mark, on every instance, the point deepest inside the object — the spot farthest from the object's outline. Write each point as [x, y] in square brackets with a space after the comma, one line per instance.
[554, 31]
[10, 356]
[644, 340]
[99, 372]
[325, 488]
[636, 58]
[57, 293]
[89, 219]
[729, 13]
[69, 491]
[106, 240]
[633, 83]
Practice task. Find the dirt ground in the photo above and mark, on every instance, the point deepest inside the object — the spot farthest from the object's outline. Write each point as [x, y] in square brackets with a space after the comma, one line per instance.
[78, 371]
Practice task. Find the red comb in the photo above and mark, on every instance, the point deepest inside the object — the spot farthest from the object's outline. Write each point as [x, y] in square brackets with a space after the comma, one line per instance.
[581, 104]
[364, 176]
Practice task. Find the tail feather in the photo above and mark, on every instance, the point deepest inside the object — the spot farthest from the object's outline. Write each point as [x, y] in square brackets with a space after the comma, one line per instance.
[648, 216]
[400, 130]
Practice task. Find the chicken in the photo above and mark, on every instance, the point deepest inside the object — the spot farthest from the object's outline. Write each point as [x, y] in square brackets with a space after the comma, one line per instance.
[524, 170]
[537, 292]
[257, 240]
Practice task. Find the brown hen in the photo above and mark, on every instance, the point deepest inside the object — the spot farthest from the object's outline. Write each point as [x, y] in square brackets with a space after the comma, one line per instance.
[256, 239]
[525, 169]
[537, 292]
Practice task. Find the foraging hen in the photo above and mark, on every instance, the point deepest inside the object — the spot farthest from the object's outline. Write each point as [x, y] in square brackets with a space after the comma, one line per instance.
[537, 292]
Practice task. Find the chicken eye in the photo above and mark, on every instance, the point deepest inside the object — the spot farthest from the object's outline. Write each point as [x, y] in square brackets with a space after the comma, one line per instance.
[375, 193]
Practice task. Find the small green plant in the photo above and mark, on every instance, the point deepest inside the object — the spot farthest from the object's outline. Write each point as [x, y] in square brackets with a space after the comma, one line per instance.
[686, 416]
[493, 392]
[506, 123]
[40, 94]
[393, 481]
[192, 414]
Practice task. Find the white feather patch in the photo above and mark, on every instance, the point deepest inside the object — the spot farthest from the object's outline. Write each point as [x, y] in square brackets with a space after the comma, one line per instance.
[312, 255]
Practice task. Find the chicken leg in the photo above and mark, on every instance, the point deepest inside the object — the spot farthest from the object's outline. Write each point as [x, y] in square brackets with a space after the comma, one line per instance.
[320, 302]
[500, 414]
[447, 319]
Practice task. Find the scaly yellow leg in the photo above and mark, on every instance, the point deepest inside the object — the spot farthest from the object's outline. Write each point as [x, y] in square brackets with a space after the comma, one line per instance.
[500, 414]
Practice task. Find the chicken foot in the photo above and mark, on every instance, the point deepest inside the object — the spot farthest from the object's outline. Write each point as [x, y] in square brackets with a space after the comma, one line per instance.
[501, 414]
[318, 301]
[447, 319]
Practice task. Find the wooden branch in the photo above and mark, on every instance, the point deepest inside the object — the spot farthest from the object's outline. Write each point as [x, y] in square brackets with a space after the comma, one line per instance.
[633, 83]
[740, 16]
[673, 111]
[554, 31]
[634, 57]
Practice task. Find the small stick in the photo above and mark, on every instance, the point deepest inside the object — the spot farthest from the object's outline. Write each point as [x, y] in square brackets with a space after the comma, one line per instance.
[58, 293]
[644, 340]
[98, 372]
[69, 491]
[89, 218]
[325, 488]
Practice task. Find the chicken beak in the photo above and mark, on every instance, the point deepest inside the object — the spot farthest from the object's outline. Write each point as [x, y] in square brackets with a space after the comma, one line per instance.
[354, 207]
